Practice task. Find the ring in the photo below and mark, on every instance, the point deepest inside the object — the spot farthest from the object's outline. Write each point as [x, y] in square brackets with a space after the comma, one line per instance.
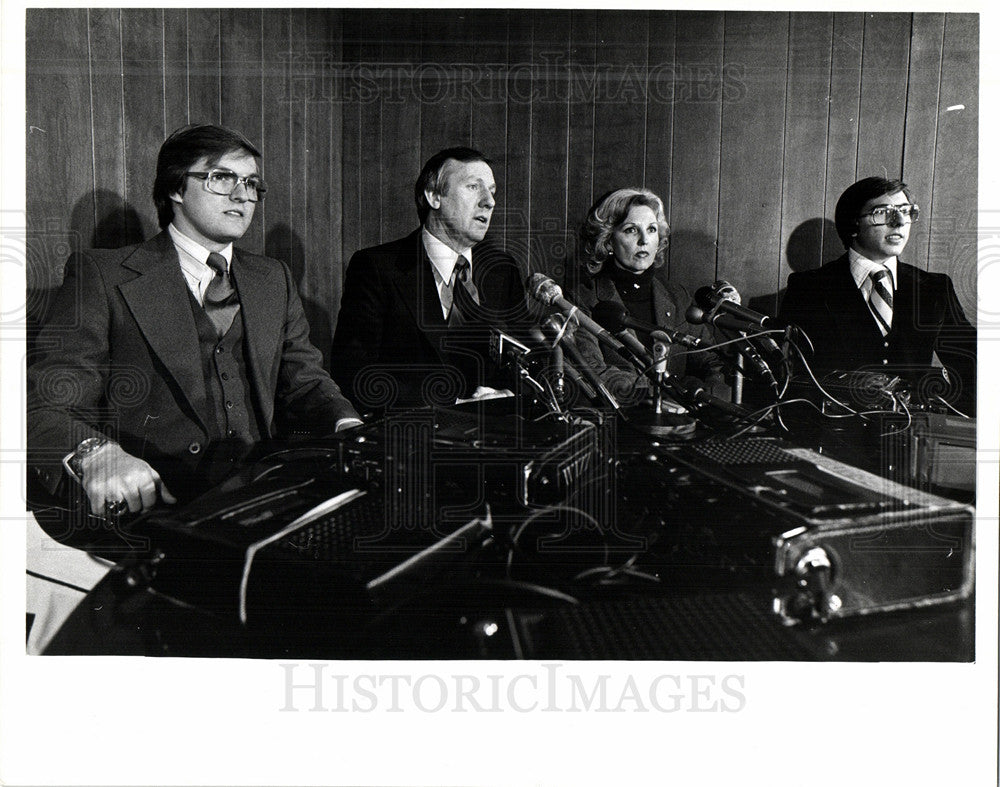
[113, 508]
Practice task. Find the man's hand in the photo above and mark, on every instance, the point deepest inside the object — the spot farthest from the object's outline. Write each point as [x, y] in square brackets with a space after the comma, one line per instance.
[110, 475]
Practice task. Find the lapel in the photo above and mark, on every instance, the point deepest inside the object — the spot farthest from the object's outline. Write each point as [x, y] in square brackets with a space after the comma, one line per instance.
[158, 301]
[904, 305]
[416, 290]
[263, 324]
[664, 305]
[847, 306]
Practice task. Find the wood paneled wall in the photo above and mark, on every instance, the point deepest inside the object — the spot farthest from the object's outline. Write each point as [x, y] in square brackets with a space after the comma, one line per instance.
[748, 124]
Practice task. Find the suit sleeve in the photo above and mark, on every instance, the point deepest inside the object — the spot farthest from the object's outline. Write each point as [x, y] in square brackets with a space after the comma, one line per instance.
[360, 323]
[67, 376]
[305, 390]
[956, 348]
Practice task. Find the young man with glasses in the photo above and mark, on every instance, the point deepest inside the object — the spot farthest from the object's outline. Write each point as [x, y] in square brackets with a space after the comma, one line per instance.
[162, 363]
[868, 310]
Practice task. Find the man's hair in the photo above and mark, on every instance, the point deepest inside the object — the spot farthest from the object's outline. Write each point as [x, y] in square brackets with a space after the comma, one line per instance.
[430, 175]
[853, 200]
[181, 150]
[607, 214]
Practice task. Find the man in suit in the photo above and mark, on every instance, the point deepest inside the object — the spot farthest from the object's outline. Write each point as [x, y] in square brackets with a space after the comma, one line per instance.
[868, 310]
[165, 361]
[414, 319]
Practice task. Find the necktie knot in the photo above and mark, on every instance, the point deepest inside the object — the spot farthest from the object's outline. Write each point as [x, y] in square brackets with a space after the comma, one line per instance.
[461, 269]
[217, 263]
[221, 301]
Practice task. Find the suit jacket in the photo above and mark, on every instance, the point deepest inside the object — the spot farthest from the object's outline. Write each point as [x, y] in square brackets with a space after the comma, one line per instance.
[393, 347]
[121, 353]
[670, 302]
[927, 318]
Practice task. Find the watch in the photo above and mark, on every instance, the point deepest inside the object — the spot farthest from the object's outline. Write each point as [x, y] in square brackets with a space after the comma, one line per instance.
[75, 460]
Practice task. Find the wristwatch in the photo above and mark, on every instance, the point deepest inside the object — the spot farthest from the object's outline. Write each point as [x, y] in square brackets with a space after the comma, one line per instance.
[74, 461]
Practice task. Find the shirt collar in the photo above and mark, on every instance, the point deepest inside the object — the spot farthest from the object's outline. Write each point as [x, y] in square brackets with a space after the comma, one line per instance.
[194, 252]
[862, 267]
[442, 256]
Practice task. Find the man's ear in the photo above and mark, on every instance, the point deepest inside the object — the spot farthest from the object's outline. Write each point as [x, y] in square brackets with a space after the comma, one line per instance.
[177, 196]
[433, 199]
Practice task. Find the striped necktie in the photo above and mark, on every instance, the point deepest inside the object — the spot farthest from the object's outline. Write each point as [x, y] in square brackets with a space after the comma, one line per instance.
[880, 299]
[221, 301]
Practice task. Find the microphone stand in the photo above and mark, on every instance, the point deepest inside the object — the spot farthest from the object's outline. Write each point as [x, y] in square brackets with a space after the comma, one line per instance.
[659, 423]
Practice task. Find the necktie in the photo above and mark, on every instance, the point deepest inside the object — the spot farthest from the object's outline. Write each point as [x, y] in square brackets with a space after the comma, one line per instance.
[465, 296]
[221, 301]
[880, 299]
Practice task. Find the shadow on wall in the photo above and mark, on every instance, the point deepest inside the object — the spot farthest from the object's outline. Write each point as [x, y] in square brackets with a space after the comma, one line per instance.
[811, 244]
[102, 219]
[282, 243]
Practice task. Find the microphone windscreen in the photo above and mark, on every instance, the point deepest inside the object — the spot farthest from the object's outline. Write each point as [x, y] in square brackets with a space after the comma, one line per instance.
[706, 298]
[610, 315]
[694, 314]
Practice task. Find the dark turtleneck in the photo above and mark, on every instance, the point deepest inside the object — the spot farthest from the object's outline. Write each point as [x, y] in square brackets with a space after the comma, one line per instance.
[635, 289]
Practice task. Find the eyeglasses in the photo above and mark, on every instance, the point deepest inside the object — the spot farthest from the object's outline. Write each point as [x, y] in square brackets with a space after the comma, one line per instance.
[224, 183]
[883, 214]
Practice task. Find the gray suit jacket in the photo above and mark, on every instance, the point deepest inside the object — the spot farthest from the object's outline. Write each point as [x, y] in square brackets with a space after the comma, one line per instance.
[120, 356]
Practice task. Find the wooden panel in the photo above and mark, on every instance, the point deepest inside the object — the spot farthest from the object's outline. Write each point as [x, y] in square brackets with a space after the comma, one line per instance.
[549, 142]
[400, 117]
[316, 259]
[321, 284]
[515, 199]
[176, 111]
[807, 118]
[204, 66]
[922, 111]
[702, 107]
[620, 106]
[953, 230]
[659, 84]
[446, 117]
[142, 88]
[845, 108]
[108, 119]
[580, 177]
[694, 188]
[489, 116]
[241, 46]
[370, 142]
[352, 133]
[58, 168]
[883, 94]
[275, 138]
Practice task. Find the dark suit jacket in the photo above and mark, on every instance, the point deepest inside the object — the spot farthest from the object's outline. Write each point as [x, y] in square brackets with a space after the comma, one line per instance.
[120, 352]
[670, 302]
[927, 318]
[392, 346]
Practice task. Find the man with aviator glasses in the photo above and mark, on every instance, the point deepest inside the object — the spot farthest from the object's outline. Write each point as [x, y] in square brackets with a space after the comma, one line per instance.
[869, 310]
[163, 362]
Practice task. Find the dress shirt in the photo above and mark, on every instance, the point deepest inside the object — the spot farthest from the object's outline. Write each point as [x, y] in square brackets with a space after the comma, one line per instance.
[194, 262]
[443, 259]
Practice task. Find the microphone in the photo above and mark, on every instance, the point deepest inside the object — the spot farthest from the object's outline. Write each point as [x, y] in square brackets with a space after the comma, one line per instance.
[746, 349]
[547, 292]
[559, 331]
[558, 367]
[698, 316]
[615, 317]
[617, 327]
[720, 298]
[694, 389]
